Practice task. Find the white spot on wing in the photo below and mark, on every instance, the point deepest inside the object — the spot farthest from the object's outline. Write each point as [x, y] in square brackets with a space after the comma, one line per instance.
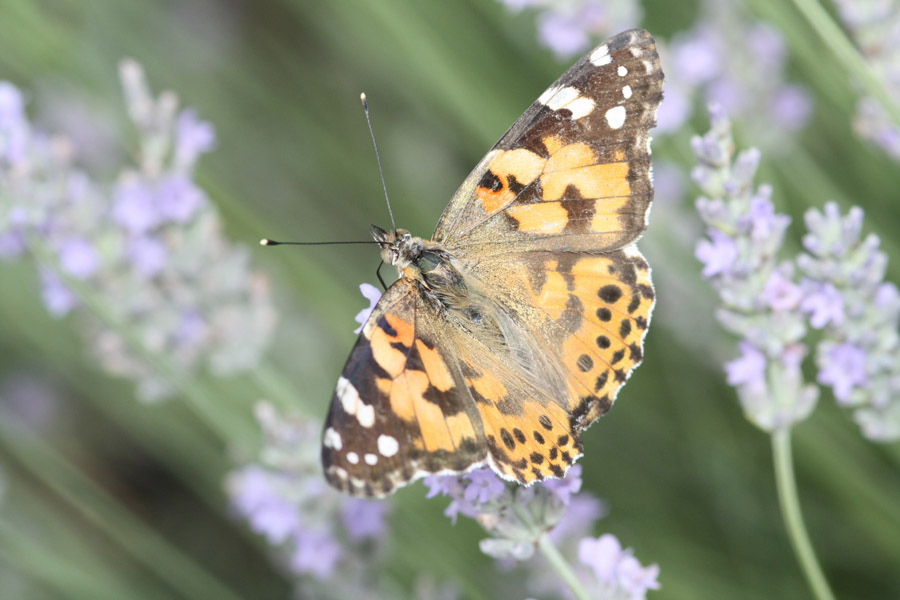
[562, 97]
[622, 71]
[626, 91]
[349, 397]
[347, 394]
[332, 439]
[353, 458]
[615, 117]
[600, 56]
[365, 414]
[580, 107]
[371, 459]
[569, 98]
[548, 93]
[387, 445]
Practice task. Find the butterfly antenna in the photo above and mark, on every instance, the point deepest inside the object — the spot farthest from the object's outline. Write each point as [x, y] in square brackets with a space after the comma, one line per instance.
[268, 242]
[365, 103]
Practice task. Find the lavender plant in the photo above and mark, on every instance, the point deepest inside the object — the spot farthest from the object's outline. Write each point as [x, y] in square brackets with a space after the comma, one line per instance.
[333, 546]
[771, 308]
[761, 302]
[845, 296]
[553, 518]
[146, 249]
[738, 63]
[569, 28]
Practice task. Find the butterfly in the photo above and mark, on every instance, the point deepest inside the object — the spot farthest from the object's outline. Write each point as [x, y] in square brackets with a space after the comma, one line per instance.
[513, 328]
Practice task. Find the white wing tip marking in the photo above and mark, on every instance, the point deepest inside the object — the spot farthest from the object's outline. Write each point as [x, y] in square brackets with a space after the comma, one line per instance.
[600, 56]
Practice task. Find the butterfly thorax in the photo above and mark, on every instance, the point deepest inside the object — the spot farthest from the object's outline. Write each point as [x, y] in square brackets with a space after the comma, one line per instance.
[428, 265]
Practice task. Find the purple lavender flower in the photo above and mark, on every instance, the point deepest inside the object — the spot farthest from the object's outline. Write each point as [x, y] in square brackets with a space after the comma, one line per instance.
[791, 107]
[484, 486]
[14, 129]
[636, 580]
[58, 299]
[843, 367]
[602, 555]
[780, 291]
[193, 137]
[726, 59]
[697, 57]
[748, 370]
[676, 108]
[823, 303]
[761, 299]
[763, 303]
[256, 494]
[616, 569]
[12, 106]
[443, 485]
[581, 513]
[517, 519]
[177, 199]
[12, 243]
[718, 254]
[135, 206]
[372, 294]
[564, 488]
[316, 553]
[148, 254]
[565, 34]
[364, 519]
[78, 258]
[859, 314]
[568, 28]
[150, 244]
[317, 531]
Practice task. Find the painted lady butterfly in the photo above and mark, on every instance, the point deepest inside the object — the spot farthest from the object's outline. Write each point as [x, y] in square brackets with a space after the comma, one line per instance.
[513, 329]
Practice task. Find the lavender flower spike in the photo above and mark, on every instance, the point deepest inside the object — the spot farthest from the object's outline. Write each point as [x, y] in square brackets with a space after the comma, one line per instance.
[762, 302]
[567, 28]
[859, 313]
[149, 244]
[331, 544]
[522, 519]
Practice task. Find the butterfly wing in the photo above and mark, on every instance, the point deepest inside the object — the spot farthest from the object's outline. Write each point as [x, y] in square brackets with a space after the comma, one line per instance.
[545, 226]
[573, 173]
[543, 232]
[398, 412]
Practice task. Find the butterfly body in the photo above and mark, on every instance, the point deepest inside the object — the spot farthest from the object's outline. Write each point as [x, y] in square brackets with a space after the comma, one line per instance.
[513, 328]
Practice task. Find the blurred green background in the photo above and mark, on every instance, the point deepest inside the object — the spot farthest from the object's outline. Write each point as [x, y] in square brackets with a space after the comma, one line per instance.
[113, 499]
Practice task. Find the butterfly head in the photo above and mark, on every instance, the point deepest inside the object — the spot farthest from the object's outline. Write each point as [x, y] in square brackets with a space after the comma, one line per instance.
[399, 248]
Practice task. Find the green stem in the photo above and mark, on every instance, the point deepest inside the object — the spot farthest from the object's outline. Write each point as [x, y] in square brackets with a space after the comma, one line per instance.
[844, 50]
[793, 519]
[557, 561]
[562, 567]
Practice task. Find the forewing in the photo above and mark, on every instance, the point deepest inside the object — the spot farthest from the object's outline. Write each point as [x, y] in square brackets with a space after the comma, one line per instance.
[573, 173]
